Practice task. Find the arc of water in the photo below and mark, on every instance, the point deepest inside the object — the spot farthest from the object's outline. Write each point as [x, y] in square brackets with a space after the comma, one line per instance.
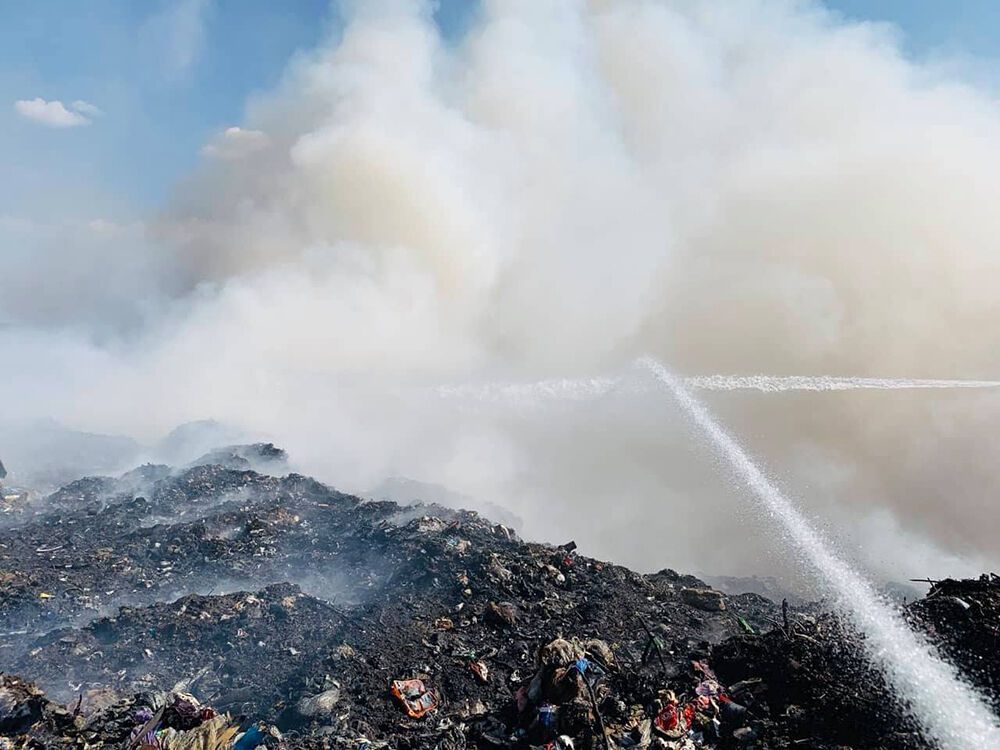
[950, 712]
[772, 384]
[582, 389]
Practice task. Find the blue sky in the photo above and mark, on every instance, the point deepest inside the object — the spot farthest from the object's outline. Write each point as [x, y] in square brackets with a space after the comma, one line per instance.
[168, 74]
[934, 27]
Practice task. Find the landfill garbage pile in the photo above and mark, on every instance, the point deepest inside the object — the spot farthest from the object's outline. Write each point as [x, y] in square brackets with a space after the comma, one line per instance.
[963, 618]
[155, 721]
[808, 686]
[214, 606]
[812, 687]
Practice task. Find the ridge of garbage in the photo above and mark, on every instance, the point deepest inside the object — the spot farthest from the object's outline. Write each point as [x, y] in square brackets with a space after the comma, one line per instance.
[215, 606]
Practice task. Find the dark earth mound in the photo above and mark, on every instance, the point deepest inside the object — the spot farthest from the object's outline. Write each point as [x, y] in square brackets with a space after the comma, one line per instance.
[214, 604]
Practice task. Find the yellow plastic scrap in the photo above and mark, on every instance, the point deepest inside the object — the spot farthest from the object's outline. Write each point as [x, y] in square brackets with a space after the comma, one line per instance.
[213, 734]
[228, 735]
[46, 595]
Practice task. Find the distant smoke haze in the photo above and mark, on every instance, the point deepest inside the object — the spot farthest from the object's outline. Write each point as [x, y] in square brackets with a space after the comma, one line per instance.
[732, 188]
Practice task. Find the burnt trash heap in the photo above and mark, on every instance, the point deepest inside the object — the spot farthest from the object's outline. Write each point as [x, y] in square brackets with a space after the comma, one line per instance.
[214, 606]
[12, 499]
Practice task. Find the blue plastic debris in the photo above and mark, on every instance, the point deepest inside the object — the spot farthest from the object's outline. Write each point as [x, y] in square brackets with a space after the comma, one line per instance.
[250, 739]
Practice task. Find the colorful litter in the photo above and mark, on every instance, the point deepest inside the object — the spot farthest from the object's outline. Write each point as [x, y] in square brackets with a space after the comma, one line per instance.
[416, 698]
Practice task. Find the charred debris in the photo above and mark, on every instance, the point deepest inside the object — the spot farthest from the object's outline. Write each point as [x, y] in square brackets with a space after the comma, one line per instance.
[218, 606]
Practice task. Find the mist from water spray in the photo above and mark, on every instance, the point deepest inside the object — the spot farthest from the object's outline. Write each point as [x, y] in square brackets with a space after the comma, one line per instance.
[949, 711]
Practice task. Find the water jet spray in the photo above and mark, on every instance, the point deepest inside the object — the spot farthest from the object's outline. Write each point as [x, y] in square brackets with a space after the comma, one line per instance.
[583, 389]
[949, 711]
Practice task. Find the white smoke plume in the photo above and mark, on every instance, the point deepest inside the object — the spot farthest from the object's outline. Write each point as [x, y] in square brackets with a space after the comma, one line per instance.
[733, 188]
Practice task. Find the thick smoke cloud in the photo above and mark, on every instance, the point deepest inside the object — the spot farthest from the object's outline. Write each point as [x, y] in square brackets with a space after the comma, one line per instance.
[751, 187]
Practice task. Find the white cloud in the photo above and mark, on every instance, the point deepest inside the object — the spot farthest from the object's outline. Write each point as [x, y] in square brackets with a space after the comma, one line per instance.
[87, 109]
[178, 33]
[18, 226]
[109, 228]
[103, 226]
[235, 143]
[52, 114]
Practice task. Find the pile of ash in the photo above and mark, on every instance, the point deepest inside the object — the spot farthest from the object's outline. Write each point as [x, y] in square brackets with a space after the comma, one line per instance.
[213, 604]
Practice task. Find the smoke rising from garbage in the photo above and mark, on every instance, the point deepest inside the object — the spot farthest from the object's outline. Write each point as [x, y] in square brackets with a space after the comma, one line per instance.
[759, 188]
